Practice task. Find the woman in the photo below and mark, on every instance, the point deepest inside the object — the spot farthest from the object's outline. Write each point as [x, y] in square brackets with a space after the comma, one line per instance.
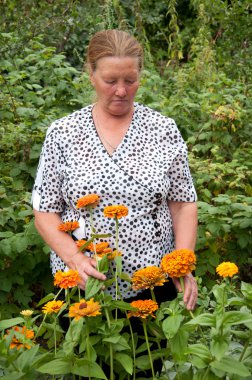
[127, 154]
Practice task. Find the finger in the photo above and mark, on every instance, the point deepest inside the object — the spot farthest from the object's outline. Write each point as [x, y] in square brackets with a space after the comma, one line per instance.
[177, 284]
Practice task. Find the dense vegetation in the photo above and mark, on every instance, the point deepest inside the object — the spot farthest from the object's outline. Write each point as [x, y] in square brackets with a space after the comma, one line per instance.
[197, 70]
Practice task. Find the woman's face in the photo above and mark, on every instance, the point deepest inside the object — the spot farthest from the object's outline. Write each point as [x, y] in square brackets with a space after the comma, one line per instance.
[116, 81]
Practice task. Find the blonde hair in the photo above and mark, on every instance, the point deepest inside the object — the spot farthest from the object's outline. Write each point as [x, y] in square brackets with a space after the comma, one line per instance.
[113, 43]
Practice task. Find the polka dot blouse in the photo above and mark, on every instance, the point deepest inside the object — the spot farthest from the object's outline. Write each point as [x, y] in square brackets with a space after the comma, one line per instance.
[148, 168]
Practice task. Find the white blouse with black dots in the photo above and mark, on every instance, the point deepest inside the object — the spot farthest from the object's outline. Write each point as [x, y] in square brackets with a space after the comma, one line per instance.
[148, 168]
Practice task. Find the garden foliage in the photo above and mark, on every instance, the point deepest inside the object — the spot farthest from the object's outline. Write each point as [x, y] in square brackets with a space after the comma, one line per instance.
[198, 71]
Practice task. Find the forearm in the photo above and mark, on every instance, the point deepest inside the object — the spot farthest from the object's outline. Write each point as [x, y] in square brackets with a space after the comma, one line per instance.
[184, 219]
[60, 242]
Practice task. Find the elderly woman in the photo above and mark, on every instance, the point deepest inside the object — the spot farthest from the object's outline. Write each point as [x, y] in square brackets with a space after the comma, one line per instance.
[127, 154]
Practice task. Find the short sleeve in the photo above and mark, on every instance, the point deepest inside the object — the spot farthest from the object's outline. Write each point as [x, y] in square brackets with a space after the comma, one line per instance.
[47, 194]
[181, 182]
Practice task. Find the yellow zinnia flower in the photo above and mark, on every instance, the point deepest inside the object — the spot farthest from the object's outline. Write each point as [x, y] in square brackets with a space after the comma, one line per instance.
[67, 279]
[88, 200]
[179, 263]
[227, 269]
[52, 307]
[115, 211]
[144, 308]
[26, 313]
[84, 308]
[69, 226]
[147, 278]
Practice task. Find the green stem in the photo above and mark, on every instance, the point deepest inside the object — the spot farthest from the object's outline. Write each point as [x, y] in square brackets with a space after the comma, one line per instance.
[116, 271]
[244, 350]
[153, 295]
[163, 361]
[205, 374]
[148, 348]
[133, 349]
[92, 232]
[54, 333]
[88, 350]
[110, 347]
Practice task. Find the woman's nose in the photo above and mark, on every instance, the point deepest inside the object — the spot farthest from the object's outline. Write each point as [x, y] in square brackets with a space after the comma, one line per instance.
[121, 91]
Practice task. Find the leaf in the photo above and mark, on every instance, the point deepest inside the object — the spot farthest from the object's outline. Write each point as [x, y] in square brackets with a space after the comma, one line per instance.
[236, 318]
[47, 298]
[25, 360]
[7, 323]
[118, 262]
[56, 367]
[201, 351]
[83, 367]
[219, 345]
[103, 264]
[230, 365]
[125, 361]
[171, 325]
[204, 319]
[93, 286]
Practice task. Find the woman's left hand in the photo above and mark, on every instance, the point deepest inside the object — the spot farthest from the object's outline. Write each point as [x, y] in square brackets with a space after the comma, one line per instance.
[190, 291]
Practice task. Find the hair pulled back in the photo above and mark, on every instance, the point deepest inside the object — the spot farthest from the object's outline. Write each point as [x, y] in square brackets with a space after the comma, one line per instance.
[113, 43]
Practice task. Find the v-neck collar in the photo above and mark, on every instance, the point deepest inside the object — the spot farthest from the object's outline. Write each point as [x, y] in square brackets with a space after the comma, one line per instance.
[124, 139]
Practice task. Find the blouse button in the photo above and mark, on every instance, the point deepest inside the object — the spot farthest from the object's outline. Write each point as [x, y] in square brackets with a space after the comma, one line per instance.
[156, 224]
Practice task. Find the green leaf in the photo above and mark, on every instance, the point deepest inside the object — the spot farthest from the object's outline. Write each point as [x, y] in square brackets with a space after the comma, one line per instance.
[47, 298]
[7, 323]
[204, 319]
[219, 345]
[126, 362]
[56, 367]
[118, 262]
[201, 351]
[236, 318]
[103, 264]
[171, 325]
[25, 360]
[93, 286]
[122, 305]
[112, 339]
[230, 365]
[83, 367]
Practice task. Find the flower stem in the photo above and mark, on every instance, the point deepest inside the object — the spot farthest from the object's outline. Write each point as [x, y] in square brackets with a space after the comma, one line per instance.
[116, 271]
[133, 349]
[88, 349]
[148, 348]
[54, 333]
[110, 347]
[153, 295]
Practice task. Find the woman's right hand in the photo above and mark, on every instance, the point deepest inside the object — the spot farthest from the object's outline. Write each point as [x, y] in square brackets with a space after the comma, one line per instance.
[86, 266]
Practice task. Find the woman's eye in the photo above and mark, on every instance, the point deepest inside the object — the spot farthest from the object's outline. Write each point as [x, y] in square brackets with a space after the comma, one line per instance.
[109, 81]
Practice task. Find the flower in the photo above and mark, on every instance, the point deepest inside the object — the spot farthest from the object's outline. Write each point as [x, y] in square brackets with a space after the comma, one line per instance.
[80, 243]
[227, 269]
[179, 262]
[143, 309]
[69, 226]
[67, 279]
[26, 313]
[52, 307]
[88, 200]
[147, 278]
[23, 334]
[118, 211]
[85, 308]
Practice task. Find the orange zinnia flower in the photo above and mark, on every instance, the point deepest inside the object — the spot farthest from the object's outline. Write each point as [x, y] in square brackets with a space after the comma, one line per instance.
[118, 211]
[84, 308]
[147, 278]
[52, 307]
[144, 308]
[67, 279]
[80, 243]
[179, 263]
[88, 200]
[68, 226]
[227, 269]
[23, 338]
